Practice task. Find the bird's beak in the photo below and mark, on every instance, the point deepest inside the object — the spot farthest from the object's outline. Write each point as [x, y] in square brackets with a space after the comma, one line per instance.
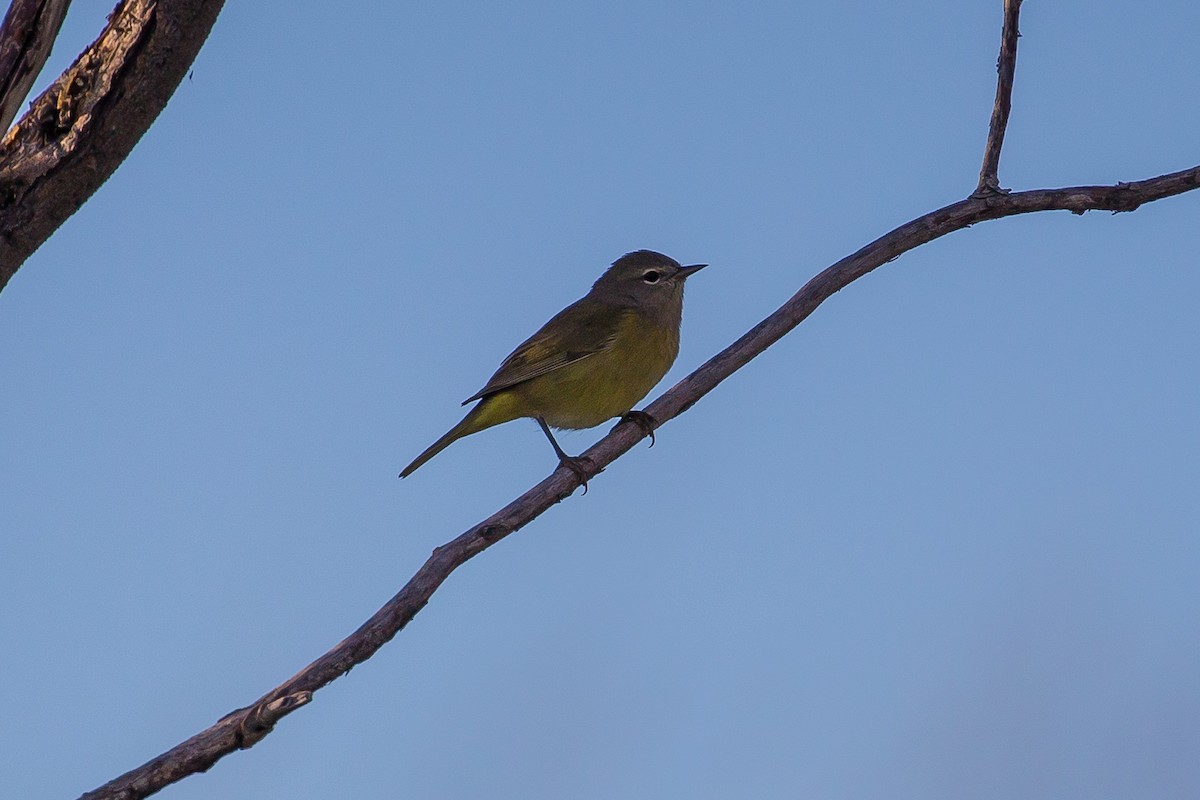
[686, 271]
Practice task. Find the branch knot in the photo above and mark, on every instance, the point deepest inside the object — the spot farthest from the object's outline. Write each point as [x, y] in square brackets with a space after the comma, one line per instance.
[259, 720]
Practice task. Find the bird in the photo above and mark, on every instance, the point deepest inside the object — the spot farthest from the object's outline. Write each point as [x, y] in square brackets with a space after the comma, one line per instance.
[591, 362]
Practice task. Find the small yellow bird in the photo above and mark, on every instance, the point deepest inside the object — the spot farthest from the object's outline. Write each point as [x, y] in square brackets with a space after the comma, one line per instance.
[593, 361]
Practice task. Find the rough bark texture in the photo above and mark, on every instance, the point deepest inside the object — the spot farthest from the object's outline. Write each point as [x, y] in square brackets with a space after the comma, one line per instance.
[26, 38]
[80, 129]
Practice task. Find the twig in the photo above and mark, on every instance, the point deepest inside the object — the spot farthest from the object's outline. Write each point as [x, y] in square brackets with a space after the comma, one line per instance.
[246, 726]
[204, 749]
[1006, 66]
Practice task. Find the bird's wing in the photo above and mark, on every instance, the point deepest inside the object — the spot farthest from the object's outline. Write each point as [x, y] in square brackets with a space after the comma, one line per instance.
[580, 330]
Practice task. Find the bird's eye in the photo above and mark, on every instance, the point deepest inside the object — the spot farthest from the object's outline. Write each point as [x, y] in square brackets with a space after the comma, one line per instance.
[651, 276]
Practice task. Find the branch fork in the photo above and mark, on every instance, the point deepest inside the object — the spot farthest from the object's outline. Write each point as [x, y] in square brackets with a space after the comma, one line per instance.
[245, 727]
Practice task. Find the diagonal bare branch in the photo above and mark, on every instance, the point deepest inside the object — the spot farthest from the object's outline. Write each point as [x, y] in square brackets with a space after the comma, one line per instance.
[246, 726]
[26, 38]
[243, 727]
[79, 130]
[1006, 67]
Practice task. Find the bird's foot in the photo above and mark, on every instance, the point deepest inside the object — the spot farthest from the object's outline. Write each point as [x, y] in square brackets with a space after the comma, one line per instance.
[643, 420]
[582, 466]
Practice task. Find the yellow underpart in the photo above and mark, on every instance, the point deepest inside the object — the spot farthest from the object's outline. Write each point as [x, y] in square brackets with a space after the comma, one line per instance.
[581, 394]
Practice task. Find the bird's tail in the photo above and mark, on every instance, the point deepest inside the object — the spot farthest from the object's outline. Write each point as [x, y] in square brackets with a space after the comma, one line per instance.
[492, 410]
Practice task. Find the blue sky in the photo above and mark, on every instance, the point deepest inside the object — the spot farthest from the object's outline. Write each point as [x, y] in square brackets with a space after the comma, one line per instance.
[939, 542]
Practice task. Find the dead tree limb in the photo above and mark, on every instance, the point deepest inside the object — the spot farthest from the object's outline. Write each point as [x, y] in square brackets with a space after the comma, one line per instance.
[79, 130]
[1006, 68]
[26, 38]
[246, 726]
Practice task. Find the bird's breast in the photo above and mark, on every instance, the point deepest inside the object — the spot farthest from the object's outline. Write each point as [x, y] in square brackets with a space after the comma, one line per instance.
[609, 383]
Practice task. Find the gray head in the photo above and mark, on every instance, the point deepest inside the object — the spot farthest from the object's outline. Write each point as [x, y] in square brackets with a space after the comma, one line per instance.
[644, 279]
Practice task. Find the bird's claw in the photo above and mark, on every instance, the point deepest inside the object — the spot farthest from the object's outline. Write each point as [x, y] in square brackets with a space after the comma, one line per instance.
[581, 466]
[643, 421]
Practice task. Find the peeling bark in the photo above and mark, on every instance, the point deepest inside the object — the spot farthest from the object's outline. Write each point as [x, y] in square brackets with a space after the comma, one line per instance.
[78, 131]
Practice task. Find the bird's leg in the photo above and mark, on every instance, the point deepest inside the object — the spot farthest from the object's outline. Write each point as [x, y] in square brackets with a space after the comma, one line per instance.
[576, 464]
[643, 420]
